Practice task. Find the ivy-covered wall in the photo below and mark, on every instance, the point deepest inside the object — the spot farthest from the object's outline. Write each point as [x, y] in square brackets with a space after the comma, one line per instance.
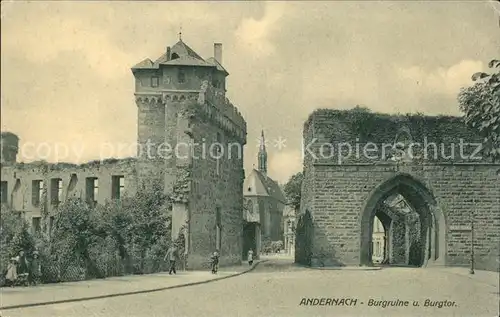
[434, 138]
[216, 184]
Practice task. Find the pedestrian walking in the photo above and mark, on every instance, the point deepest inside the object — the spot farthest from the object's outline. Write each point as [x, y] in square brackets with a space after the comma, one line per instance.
[250, 257]
[171, 257]
[22, 263]
[35, 269]
[214, 258]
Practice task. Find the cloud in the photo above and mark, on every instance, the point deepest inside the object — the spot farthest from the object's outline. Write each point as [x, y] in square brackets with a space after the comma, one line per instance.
[51, 36]
[252, 34]
[442, 80]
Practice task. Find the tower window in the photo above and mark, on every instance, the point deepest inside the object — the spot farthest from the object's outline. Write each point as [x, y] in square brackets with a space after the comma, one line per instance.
[181, 76]
[154, 81]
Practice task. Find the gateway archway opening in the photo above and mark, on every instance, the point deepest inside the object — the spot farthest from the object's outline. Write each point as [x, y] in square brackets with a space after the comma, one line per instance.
[396, 236]
[401, 226]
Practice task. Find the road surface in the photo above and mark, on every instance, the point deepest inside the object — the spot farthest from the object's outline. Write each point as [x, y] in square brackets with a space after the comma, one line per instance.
[278, 288]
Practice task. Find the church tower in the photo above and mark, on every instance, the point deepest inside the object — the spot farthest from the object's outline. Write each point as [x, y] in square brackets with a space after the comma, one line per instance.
[262, 156]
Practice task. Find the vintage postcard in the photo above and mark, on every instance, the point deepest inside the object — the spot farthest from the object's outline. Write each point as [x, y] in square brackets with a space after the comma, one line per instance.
[250, 158]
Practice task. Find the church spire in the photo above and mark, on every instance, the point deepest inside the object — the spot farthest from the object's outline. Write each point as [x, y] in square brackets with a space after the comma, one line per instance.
[262, 156]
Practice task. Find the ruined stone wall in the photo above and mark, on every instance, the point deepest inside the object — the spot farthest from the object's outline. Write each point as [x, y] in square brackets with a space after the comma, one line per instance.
[435, 139]
[19, 178]
[215, 184]
[337, 192]
[307, 195]
[413, 247]
[398, 238]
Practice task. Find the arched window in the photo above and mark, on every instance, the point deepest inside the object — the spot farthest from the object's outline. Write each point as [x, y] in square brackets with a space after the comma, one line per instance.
[174, 56]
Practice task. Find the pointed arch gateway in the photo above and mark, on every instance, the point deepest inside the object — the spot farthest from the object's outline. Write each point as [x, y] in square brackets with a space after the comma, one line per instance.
[431, 249]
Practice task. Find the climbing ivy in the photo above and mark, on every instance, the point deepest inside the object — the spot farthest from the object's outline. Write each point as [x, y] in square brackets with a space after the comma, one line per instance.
[362, 125]
[181, 186]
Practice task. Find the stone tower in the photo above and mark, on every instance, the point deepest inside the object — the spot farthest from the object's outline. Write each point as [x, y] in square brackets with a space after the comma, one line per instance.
[9, 148]
[182, 113]
[262, 156]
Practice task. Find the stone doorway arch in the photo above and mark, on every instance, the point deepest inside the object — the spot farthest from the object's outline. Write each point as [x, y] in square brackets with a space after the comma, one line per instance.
[432, 247]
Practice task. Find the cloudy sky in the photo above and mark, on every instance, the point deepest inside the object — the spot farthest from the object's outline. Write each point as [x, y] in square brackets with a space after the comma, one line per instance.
[66, 78]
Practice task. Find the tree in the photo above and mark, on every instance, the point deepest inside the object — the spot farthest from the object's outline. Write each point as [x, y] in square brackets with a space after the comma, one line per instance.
[14, 236]
[76, 231]
[150, 229]
[293, 190]
[481, 105]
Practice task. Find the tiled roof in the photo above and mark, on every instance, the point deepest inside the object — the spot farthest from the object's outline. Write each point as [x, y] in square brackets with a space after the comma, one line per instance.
[262, 185]
[186, 57]
[187, 61]
[145, 64]
[213, 61]
[182, 49]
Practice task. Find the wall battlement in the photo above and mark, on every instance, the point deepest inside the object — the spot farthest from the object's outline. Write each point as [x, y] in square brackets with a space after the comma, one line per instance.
[210, 102]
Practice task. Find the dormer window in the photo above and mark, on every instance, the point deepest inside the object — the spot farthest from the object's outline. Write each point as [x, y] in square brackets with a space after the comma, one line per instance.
[174, 56]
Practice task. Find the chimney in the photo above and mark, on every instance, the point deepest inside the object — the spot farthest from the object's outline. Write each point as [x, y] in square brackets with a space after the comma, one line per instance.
[218, 52]
[168, 53]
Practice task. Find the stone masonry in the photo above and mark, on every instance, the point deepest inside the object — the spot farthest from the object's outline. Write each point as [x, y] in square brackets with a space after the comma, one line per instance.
[191, 140]
[447, 192]
[32, 188]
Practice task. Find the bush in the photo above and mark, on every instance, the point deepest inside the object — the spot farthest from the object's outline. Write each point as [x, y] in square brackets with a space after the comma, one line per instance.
[123, 237]
[14, 237]
[276, 246]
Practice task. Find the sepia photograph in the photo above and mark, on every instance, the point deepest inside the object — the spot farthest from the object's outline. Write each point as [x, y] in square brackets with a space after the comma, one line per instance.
[250, 158]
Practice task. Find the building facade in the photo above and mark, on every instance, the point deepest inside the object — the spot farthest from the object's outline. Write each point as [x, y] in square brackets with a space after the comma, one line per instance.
[264, 201]
[191, 140]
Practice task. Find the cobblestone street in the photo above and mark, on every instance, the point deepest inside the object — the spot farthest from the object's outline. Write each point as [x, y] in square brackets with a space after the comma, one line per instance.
[277, 287]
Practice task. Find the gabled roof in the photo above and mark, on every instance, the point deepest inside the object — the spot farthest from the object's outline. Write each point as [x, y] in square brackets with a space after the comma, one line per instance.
[258, 184]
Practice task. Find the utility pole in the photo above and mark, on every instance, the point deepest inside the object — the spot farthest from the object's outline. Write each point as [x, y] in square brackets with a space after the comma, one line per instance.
[472, 237]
